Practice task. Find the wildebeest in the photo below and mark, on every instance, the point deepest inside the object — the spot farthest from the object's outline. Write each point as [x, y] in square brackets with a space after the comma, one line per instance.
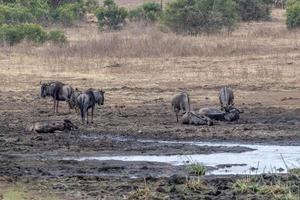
[50, 127]
[181, 102]
[73, 100]
[213, 113]
[88, 100]
[233, 114]
[226, 98]
[57, 90]
[196, 119]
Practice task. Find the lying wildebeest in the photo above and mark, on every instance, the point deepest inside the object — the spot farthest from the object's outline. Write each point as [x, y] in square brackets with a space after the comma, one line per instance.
[57, 90]
[181, 102]
[226, 98]
[88, 100]
[213, 113]
[196, 119]
[233, 114]
[50, 127]
[73, 100]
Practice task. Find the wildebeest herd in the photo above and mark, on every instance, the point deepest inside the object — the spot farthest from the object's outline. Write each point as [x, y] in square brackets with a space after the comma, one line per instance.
[84, 101]
[228, 112]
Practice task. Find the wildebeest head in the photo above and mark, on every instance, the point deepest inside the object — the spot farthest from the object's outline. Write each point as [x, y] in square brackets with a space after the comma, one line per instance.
[100, 97]
[233, 114]
[45, 90]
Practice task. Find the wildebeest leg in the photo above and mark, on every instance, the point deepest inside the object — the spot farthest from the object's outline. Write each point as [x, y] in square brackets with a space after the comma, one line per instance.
[57, 106]
[54, 103]
[92, 114]
[87, 116]
[176, 116]
[82, 115]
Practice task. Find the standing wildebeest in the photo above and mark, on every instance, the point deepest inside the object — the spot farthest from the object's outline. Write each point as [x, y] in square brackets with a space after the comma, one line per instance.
[181, 102]
[58, 91]
[88, 100]
[73, 100]
[226, 98]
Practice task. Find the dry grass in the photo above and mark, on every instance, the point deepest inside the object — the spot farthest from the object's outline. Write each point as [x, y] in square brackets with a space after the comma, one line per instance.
[260, 56]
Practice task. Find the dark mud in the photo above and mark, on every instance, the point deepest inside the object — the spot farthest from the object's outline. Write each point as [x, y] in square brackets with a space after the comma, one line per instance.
[29, 156]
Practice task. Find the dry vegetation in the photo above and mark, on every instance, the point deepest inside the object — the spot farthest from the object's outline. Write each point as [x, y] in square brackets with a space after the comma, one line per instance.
[259, 56]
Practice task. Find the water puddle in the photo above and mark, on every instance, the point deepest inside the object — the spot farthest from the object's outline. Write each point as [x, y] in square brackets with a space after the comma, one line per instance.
[264, 159]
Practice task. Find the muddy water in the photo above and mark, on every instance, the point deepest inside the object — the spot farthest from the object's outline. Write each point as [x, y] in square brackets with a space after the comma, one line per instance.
[264, 159]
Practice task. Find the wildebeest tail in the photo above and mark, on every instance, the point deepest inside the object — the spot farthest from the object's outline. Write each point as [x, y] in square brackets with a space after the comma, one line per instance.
[81, 105]
[188, 101]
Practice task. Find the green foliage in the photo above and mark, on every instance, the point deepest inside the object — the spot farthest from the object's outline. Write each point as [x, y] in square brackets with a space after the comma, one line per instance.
[253, 9]
[111, 16]
[246, 186]
[13, 34]
[295, 171]
[16, 14]
[57, 37]
[69, 12]
[38, 8]
[149, 12]
[91, 5]
[197, 169]
[291, 2]
[197, 16]
[293, 15]
[41, 11]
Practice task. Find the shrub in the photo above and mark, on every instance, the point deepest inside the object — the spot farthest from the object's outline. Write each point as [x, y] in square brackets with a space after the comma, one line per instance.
[197, 16]
[111, 16]
[17, 14]
[249, 10]
[293, 15]
[38, 8]
[69, 12]
[91, 5]
[10, 34]
[32, 32]
[13, 34]
[147, 12]
[57, 37]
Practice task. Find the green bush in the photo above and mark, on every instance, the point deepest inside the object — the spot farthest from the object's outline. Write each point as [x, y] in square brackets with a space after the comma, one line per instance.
[57, 37]
[147, 12]
[42, 11]
[38, 8]
[91, 5]
[10, 34]
[249, 10]
[291, 2]
[13, 15]
[13, 34]
[35, 10]
[68, 13]
[293, 15]
[33, 32]
[111, 16]
[197, 16]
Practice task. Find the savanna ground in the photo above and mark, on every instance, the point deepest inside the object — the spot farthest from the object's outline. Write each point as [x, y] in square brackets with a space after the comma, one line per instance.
[141, 68]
